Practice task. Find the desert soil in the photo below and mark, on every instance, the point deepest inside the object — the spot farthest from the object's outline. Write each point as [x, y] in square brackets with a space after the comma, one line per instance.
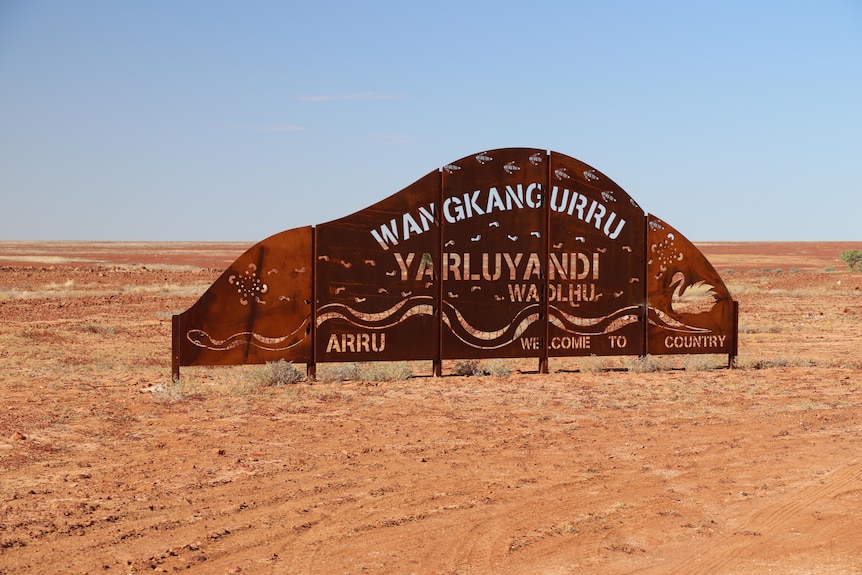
[602, 466]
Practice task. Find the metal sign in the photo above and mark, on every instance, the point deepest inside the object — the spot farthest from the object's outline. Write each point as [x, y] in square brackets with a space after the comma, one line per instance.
[515, 252]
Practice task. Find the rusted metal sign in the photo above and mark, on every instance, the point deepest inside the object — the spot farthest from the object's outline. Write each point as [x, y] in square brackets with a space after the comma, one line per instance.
[515, 252]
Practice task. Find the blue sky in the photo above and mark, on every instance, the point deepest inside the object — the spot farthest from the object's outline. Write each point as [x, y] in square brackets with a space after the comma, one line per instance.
[223, 121]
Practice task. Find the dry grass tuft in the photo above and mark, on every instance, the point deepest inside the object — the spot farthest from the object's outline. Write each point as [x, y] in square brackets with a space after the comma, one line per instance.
[643, 364]
[468, 368]
[275, 373]
[371, 371]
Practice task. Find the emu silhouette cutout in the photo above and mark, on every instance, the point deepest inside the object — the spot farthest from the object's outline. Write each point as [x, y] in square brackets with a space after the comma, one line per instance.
[515, 252]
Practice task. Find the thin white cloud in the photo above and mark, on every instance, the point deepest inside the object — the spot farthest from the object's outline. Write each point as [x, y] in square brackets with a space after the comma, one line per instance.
[357, 96]
[283, 128]
[266, 128]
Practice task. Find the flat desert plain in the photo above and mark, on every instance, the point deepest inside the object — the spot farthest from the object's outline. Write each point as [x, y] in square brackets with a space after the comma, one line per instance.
[670, 465]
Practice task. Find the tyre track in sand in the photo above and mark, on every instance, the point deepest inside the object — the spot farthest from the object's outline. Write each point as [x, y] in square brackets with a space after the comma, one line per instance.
[768, 521]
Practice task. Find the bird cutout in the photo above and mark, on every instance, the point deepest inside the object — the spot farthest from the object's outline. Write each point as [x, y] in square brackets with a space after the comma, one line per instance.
[451, 168]
[655, 226]
[300, 270]
[634, 280]
[511, 168]
[513, 238]
[536, 159]
[476, 288]
[283, 298]
[618, 293]
[324, 258]
[558, 246]
[340, 289]
[392, 273]
[591, 175]
[499, 298]
[347, 265]
[634, 203]
[428, 284]
[494, 225]
[307, 301]
[535, 234]
[601, 250]
[580, 239]
[598, 296]
[450, 243]
[627, 249]
[477, 238]
[609, 196]
[372, 263]
[272, 271]
[453, 295]
[359, 299]
[382, 290]
[562, 174]
[406, 293]
[483, 157]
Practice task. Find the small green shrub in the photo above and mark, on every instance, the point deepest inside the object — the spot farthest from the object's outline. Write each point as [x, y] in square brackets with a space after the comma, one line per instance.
[853, 259]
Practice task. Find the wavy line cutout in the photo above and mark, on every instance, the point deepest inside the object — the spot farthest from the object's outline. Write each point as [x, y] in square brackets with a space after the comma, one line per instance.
[490, 339]
[379, 320]
[661, 319]
[601, 325]
[200, 338]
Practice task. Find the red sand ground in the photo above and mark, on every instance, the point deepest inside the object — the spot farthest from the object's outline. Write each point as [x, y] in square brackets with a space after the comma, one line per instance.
[108, 467]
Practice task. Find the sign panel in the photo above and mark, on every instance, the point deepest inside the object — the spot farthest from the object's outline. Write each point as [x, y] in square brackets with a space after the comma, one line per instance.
[596, 266]
[690, 309]
[377, 280]
[494, 254]
[259, 310]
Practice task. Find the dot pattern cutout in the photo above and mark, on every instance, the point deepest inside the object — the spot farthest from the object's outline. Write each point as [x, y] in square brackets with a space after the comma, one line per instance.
[249, 285]
[666, 252]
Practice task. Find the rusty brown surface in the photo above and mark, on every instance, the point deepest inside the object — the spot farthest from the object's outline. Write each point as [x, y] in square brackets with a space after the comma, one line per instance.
[690, 308]
[515, 252]
[258, 310]
[377, 294]
[494, 246]
[597, 232]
